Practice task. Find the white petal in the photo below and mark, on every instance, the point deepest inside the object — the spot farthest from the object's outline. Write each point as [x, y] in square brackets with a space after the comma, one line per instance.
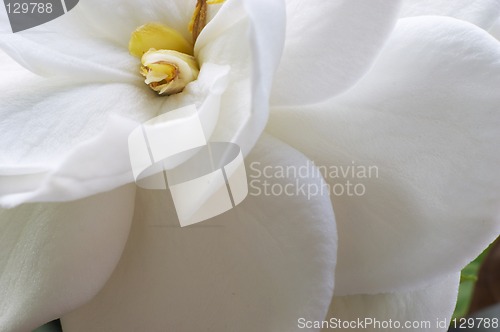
[329, 46]
[4, 23]
[53, 51]
[495, 29]
[90, 43]
[94, 166]
[116, 19]
[55, 257]
[67, 142]
[427, 117]
[255, 268]
[42, 120]
[77, 59]
[46, 124]
[248, 36]
[207, 93]
[482, 13]
[426, 309]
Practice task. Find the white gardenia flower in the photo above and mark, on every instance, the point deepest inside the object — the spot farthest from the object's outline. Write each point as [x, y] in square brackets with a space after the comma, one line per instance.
[368, 82]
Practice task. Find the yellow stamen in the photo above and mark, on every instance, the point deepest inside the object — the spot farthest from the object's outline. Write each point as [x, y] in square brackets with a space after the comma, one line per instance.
[166, 56]
[199, 18]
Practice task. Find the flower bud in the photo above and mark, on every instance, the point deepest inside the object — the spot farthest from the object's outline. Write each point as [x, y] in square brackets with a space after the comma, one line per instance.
[168, 72]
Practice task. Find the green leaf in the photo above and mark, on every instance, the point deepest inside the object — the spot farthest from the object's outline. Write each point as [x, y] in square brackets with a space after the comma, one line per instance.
[468, 280]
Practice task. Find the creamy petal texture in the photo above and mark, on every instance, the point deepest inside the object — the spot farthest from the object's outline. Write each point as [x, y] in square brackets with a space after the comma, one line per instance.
[482, 13]
[42, 119]
[4, 22]
[426, 309]
[426, 116]
[495, 29]
[73, 147]
[94, 166]
[76, 58]
[237, 36]
[115, 19]
[70, 114]
[248, 36]
[55, 257]
[55, 135]
[257, 267]
[90, 43]
[329, 46]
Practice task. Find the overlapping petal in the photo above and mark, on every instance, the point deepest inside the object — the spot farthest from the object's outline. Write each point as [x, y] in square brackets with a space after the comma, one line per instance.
[4, 22]
[91, 42]
[98, 165]
[116, 19]
[257, 267]
[231, 95]
[74, 58]
[216, 272]
[43, 119]
[239, 36]
[56, 134]
[482, 13]
[69, 46]
[426, 116]
[72, 147]
[329, 46]
[426, 309]
[495, 29]
[54, 257]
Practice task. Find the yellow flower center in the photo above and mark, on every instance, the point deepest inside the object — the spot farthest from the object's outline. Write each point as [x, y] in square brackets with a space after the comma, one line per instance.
[166, 56]
[168, 72]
